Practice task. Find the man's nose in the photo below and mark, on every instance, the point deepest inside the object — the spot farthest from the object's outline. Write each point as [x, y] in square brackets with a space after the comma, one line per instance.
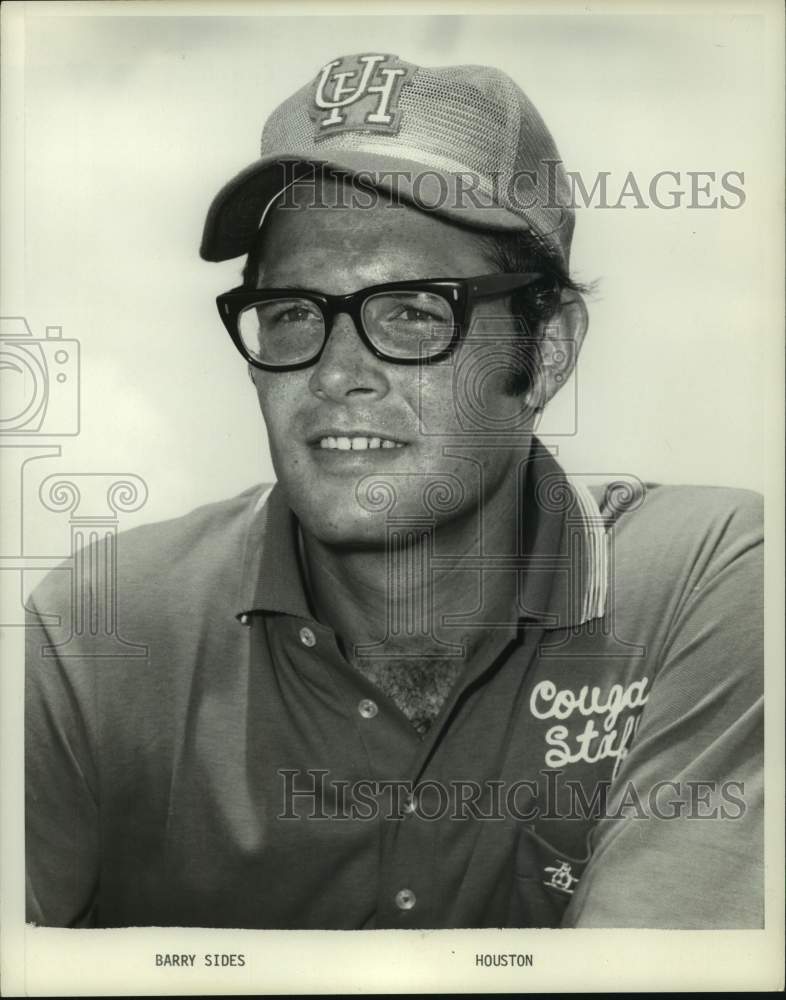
[347, 367]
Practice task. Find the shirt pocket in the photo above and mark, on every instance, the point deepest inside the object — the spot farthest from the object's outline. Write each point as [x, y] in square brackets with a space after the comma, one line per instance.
[545, 878]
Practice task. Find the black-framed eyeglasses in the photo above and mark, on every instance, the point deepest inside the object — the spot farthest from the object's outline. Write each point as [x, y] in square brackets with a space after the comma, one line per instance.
[404, 322]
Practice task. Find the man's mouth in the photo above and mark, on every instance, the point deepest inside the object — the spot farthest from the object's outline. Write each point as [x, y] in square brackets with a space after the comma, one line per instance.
[357, 442]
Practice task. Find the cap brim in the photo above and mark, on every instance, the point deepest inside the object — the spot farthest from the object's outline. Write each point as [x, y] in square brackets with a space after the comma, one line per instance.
[235, 214]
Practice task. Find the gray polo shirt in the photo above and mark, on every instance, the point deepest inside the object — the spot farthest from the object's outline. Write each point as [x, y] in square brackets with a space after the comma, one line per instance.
[597, 763]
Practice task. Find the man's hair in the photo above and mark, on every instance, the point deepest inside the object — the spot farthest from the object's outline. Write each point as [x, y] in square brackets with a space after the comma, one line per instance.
[535, 306]
[509, 252]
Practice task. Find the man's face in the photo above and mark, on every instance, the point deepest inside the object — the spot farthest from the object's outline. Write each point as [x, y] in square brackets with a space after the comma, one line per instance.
[349, 393]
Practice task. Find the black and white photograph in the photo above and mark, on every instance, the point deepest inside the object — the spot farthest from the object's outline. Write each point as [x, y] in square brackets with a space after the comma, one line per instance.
[392, 426]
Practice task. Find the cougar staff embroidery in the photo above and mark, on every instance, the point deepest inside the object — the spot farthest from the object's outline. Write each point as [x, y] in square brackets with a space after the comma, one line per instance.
[360, 93]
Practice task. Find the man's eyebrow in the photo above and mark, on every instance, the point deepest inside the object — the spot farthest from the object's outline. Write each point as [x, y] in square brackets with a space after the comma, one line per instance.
[286, 287]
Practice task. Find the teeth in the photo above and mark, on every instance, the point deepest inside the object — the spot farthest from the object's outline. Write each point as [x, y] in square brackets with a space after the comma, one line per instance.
[357, 443]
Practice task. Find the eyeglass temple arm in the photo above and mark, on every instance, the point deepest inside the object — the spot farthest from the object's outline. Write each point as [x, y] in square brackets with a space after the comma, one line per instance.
[494, 284]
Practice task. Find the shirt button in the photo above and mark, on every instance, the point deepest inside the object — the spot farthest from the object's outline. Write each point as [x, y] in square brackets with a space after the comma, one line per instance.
[307, 637]
[367, 708]
[410, 804]
[405, 899]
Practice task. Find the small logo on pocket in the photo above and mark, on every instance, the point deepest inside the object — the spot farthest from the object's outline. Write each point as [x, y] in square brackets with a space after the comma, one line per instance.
[561, 877]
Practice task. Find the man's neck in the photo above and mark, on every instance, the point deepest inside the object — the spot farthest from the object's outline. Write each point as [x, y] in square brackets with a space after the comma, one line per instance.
[395, 595]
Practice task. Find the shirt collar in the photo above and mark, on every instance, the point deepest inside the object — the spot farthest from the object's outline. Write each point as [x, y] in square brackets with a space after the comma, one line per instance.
[565, 546]
[270, 576]
[564, 552]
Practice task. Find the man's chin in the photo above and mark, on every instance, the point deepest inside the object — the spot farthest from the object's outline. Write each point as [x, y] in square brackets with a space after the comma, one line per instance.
[360, 513]
[366, 533]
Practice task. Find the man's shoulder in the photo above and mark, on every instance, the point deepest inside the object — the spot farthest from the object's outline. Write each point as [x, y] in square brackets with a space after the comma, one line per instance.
[678, 508]
[682, 511]
[212, 531]
[201, 549]
[664, 531]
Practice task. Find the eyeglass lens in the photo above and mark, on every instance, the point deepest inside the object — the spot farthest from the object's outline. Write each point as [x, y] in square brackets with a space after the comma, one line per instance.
[402, 324]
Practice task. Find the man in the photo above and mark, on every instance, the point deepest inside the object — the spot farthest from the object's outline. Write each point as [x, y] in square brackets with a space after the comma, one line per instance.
[426, 680]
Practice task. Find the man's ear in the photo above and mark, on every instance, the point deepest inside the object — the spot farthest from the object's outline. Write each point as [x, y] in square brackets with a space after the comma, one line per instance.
[251, 370]
[558, 349]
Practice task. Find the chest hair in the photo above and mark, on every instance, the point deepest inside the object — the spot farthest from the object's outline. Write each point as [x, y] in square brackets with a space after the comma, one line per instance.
[418, 687]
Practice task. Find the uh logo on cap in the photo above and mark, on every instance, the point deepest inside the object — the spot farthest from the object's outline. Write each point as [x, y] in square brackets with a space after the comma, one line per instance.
[359, 93]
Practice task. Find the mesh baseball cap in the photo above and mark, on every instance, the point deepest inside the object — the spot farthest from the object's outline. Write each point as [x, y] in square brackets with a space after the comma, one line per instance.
[462, 141]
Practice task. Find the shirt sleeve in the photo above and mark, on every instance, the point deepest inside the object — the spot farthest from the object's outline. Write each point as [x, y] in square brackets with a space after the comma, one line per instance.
[690, 852]
[61, 811]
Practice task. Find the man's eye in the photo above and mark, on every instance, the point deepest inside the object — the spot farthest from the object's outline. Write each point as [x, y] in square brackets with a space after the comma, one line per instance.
[288, 314]
[296, 314]
[409, 314]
